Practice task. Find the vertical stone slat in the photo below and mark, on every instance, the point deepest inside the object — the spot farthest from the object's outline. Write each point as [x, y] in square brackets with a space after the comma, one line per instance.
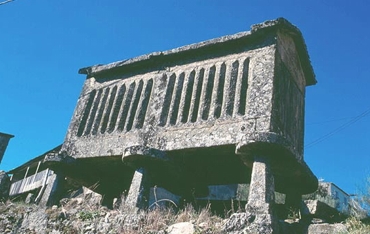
[213, 105]
[244, 88]
[208, 87]
[202, 93]
[238, 88]
[100, 111]
[172, 98]
[231, 88]
[220, 91]
[91, 118]
[197, 96]
[135, 103]
[126, 106]
[108, 110]
[117, 106]
[225, 88]
[86, 113]
[176, 99]
[202, 97]
[144, 104]
[186, 106]
[167, 100]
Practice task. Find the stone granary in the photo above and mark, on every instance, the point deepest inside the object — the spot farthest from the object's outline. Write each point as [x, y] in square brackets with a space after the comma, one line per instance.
[4, 140]
[227, 110]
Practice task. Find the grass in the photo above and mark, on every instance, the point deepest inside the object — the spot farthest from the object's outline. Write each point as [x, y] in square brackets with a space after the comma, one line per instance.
[159, 219]
[356, 226]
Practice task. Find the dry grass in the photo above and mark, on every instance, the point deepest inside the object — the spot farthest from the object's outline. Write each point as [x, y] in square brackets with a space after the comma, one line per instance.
[356, 226]
[78, 215]
[159, 219]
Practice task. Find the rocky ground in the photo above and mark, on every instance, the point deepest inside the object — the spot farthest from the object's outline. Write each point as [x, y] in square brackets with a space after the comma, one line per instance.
[84, 214]
[76, 216]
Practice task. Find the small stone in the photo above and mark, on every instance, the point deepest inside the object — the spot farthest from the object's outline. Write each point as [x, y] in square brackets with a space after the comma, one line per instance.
[181, 228]
[327, 228]
[203, 225]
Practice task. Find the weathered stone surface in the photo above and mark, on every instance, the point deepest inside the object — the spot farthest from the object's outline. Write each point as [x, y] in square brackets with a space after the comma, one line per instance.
[237, 222]
[250, 223]
[30, 198]
[261, 197]
[261, 191]
[326, 228]
[138, 195]
[35, 221]
[4, 186]
[181, 228]
[49, 193]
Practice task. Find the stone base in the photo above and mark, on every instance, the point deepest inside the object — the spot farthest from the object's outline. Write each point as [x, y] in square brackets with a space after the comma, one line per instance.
[250, 223]
[50, 195]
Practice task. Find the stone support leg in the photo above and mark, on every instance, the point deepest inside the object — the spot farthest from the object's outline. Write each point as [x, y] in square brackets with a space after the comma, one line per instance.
[51, 191]
[261, 198]
[138, 194]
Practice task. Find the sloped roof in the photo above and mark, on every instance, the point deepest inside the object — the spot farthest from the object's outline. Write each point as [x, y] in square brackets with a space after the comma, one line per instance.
[256, 31]
[35, 160]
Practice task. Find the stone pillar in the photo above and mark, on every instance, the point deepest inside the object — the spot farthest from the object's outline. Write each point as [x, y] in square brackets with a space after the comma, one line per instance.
[138, 194]
[261, 198]
[50, 192]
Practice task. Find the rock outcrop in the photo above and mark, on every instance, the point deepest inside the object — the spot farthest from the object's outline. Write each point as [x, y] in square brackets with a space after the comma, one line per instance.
[4, 186]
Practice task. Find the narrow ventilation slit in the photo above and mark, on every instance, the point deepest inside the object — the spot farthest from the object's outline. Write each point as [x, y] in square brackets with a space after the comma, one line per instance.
[86, 113]
[126, 107]
[220, 91]
[188, 94]
[232, 87]
[176, 103]
[244, 88]
[134, 105]
[117, 107]
[109, 109]
[100, 112]
[208, 94]
[194, 115]
[93, 113]
[144, 104]
[167, 101]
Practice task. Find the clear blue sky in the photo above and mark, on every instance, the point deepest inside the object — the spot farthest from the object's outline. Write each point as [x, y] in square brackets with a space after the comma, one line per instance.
[43, 43]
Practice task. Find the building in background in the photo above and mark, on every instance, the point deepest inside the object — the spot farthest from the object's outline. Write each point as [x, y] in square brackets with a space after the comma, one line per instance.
[4, 140]
[33, 179]
[341, 199]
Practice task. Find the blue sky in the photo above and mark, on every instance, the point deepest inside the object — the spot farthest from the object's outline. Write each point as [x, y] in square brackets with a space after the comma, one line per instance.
[44, 43]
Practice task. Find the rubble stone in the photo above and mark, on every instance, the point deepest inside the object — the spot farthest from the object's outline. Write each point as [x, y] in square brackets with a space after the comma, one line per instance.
[326, 228]
[181, 228]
